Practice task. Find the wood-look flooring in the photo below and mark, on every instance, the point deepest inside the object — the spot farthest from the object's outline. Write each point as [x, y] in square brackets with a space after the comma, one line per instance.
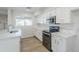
[32, 45]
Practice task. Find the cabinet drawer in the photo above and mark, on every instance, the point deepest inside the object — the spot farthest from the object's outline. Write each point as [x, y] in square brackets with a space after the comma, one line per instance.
[47, 45]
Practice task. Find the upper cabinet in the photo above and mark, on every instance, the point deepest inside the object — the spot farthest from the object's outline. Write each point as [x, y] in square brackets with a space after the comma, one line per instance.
[74, 8]
[53, 12]
[46, 15]
[63, 15]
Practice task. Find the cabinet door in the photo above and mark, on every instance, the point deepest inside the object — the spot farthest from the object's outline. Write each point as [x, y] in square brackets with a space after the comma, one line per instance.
[53, 41]
[40, 35]
[60, 45]
[49, 14]
[53, 12]
[63, 15]
[40, 20]
[54, 45]
[10, 44]
[76, 49]
[74, 8]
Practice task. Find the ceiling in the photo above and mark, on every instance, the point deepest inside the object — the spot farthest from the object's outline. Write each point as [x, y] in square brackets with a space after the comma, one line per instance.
[30, 10]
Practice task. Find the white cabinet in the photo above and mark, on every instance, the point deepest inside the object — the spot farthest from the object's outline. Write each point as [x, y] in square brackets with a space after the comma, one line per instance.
[50, 13]
[63, 15]
[53, 42]
[74, 8]
[10, 44]
[39, 20]
[77, 43]
[46, 15]
[64, 44]
[38, 34]
[58, 44]
[53, 12]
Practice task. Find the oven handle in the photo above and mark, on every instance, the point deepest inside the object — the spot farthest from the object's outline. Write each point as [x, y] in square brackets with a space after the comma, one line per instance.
[46, 33]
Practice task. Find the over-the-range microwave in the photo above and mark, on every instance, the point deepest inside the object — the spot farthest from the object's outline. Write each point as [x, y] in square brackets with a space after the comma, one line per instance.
[51, 20]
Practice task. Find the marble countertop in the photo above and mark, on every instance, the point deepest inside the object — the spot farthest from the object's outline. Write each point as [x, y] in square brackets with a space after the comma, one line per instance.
[5, 34]
[65, 33]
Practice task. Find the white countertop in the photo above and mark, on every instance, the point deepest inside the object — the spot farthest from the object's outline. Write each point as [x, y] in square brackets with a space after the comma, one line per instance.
[5, 34]
[65, 33]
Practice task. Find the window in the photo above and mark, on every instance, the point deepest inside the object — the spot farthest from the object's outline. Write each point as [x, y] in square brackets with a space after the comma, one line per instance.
[23, 21]
[28, 22]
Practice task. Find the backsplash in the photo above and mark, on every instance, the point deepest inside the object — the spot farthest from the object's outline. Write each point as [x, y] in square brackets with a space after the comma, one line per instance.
[3, 22]
[66, 26]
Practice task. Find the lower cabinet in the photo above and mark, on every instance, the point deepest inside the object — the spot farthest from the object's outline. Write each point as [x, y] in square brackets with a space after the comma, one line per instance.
[38, 34]
[58, 44]
[10, 44]
[63, 44]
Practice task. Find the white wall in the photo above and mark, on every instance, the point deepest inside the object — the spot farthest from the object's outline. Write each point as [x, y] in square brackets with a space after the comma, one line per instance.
[27, 31]
[75, 19]
[10, 20]
[3, 22]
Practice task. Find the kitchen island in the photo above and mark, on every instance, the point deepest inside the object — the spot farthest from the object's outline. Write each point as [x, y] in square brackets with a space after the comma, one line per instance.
[10, 42]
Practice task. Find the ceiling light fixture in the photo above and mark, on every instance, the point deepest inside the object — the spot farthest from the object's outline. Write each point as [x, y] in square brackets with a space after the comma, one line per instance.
[28, 8]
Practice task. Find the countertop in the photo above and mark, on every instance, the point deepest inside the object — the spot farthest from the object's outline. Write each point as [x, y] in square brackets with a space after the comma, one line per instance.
[65, 33]
[5, 34]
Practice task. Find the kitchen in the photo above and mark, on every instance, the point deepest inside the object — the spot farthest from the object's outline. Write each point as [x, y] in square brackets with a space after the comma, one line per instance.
[68, 28]
[25, 23]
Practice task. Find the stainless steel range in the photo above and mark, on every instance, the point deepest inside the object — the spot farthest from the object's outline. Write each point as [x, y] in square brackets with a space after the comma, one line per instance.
[47, 36]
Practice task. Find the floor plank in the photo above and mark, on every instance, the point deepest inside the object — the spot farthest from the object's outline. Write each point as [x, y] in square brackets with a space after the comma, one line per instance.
[32, 45]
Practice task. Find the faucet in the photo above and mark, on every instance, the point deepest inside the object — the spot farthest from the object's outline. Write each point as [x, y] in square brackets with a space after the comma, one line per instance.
[10, 27]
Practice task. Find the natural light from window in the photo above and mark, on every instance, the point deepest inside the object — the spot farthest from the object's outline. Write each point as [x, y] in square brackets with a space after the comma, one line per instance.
[23, 21]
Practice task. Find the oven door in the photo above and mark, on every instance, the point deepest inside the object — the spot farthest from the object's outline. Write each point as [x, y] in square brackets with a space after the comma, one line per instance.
[47, 40]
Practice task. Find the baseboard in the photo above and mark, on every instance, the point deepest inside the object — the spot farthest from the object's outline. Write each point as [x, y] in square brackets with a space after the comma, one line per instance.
[31, 37]
[37, 39]
[27, 37]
